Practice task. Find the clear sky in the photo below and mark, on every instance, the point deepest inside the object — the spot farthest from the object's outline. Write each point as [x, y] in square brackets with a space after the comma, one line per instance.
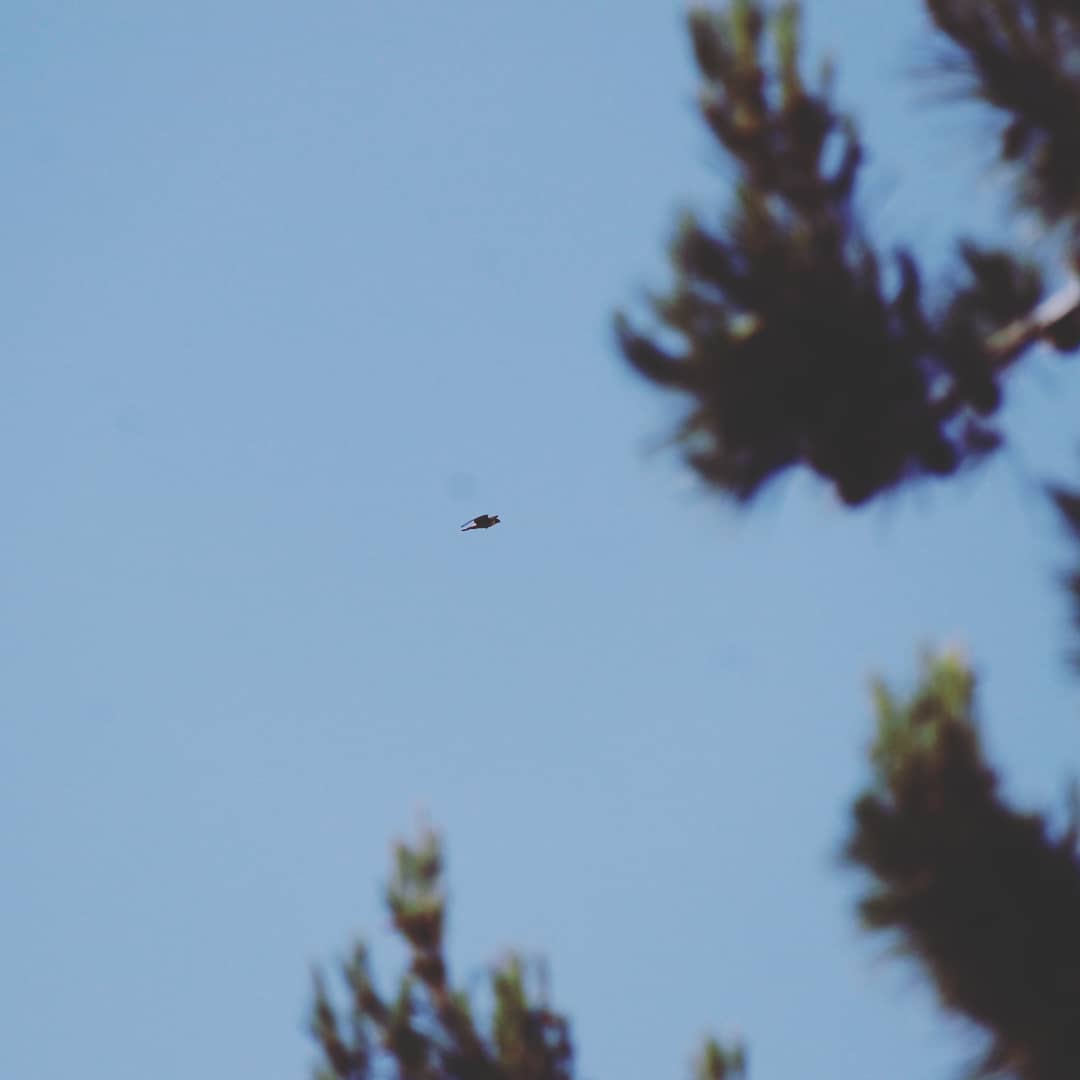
[291, 291]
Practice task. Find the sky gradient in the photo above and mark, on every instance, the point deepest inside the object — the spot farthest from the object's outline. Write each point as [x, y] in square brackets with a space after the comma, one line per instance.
[291, 292]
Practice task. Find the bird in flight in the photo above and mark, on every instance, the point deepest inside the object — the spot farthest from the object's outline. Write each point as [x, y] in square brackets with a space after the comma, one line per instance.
[484, 521]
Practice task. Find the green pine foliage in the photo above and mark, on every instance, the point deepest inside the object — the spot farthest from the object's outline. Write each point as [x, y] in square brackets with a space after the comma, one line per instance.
[428, 1029]
[719, 1063]
[1019, 56]
[986, 898]
[795, 340]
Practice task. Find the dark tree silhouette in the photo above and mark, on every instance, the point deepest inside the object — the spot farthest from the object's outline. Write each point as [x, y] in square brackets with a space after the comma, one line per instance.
[428, 1029]
[983, 896]
[1020, 58]
[789, 341]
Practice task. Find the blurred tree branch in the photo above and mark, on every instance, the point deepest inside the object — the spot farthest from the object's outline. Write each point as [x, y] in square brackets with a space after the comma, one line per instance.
[986, 898]
[782, 326]
[1019, 56]
[428, 1029]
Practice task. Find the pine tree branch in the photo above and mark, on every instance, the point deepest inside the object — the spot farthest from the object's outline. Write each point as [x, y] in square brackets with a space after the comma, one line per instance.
[779, 327]
[1056, 321]
[1022, 57]
[428, 1031]
[983, 896]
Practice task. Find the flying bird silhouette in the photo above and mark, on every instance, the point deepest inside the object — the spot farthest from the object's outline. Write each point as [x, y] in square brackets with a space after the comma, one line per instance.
[484, 521]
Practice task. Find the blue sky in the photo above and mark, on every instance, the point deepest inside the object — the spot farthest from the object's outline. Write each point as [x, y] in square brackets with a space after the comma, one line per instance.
[291, 292]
